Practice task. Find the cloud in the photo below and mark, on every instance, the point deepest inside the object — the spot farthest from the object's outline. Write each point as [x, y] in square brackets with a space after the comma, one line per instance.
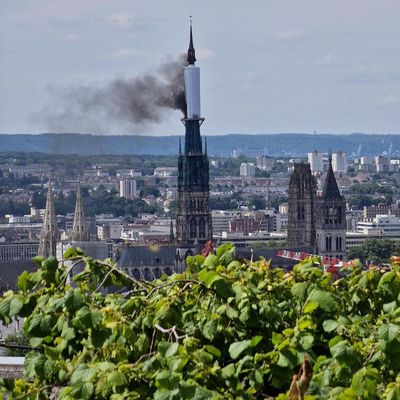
[121, 20]
[72, 38]
[126, 52]
[289, 35]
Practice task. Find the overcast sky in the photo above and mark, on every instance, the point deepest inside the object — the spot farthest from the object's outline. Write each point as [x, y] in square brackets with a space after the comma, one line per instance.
[266, 65]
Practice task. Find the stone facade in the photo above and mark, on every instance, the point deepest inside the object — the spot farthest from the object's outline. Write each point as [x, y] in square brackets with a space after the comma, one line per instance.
[193, 220]
[331, 219]
[50, 234]
[302, 207]
[316, 222]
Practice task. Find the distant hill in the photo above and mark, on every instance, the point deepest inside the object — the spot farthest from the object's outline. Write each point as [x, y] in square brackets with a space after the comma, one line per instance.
[285, 144]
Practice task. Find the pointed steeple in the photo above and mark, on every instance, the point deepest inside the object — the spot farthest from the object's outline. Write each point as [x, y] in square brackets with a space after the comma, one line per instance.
[171, 232]
[330, 190]
[49, 234]
[191, 58]
[79, 231]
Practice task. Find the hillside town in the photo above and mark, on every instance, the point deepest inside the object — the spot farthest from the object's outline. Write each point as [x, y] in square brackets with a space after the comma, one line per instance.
[249, 202]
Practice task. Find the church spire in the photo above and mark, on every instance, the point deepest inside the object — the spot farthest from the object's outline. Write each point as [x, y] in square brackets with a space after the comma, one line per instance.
[191, 58]
[193, 220]
[49, 234]
[330, 190]
[79, 231]
[171, 232]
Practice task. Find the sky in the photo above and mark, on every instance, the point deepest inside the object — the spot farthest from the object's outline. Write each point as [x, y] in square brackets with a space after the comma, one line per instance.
[267, 66]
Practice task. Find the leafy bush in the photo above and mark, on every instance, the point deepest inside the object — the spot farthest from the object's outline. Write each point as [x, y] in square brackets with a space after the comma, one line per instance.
[223, 329]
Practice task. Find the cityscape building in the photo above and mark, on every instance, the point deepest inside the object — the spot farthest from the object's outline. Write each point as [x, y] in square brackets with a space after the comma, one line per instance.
[127, 188]
[50, 234]
[80, 232]
[316, 161]
[302, 207]
[339, 162]
[247, 169]
[193, 221]
[331, 219]
[385, 225]
[317, 223]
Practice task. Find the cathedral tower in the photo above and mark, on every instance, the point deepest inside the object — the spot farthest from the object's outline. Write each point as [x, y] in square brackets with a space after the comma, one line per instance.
[331, 221]
[49, 235]
[302, 207]
[79, 231]
[193, 219]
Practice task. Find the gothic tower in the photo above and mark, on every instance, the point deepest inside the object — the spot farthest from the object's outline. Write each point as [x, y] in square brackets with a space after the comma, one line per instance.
[302, 207]
[49, 235]
[331, 221]
[193, 219]
[79, 231]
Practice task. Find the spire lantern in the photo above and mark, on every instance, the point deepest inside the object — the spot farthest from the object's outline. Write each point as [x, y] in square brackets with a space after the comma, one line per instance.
[191, 58]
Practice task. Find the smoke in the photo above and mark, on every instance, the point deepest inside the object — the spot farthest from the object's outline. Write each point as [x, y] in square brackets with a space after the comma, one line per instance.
[124, 102]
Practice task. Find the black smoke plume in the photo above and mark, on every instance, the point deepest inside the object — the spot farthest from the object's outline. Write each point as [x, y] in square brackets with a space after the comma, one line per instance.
[121, 102]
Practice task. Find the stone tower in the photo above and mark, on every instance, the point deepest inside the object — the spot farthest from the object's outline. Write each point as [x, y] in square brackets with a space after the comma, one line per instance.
[331, 221]
[50, 234]
[193, 221]
[302, 208]
[79, 231]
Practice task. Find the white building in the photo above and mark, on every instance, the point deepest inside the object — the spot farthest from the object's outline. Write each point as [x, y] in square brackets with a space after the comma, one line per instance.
[382, 164]
[247, 169]
[128, 173]
[339, 162]
[109, 231]
[220, 220]
[18, 251]
[265, 163]
[163, 172]
[127, 188]
[316, 161]
[366, 160]
[383, 225]
[284, 208]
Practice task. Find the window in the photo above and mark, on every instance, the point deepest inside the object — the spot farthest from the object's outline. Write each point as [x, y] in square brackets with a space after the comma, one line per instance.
[193, 228]
[328, 243]
[202, 228]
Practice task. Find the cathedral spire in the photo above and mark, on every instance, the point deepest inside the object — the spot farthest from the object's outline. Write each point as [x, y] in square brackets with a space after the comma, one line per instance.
[193, 220]
[191, 58]
[330, 190]
[79, 231]
[171, 232]
[49, 234]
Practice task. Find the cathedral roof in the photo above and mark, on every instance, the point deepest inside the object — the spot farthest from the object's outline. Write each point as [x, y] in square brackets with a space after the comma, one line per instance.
[330, 190]
[144, 256]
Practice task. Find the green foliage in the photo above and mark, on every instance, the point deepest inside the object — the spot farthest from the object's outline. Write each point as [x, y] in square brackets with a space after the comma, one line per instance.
[363, 200]
[369, 188]
[377, 250]
[222, 329]
[256, 202]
